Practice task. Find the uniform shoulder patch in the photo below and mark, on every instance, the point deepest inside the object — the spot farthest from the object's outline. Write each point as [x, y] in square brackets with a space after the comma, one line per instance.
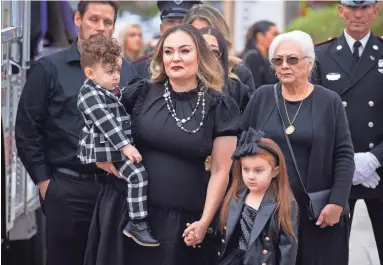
[326, 41]
[143, 58]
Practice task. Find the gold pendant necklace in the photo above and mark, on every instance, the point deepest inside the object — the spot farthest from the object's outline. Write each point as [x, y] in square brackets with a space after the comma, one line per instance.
[291, 128]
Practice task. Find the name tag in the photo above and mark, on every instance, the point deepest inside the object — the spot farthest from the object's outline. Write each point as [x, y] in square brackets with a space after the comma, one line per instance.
[333, 76]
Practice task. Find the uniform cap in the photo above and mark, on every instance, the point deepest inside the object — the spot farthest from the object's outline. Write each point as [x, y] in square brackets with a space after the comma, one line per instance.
[358, 3]
[176, 8]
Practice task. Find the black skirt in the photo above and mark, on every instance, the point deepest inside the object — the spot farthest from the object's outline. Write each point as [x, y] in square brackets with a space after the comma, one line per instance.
[322, 246]
[108, 245]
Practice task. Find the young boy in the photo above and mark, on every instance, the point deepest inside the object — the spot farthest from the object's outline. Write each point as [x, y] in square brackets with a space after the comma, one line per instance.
[107, 135]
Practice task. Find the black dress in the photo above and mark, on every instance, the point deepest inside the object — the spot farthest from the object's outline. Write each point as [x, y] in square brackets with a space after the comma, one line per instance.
[174, 160]
[316, 246]
[239, 242]
[260, 67]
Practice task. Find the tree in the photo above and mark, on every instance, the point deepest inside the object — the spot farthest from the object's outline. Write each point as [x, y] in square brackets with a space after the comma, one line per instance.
[325, 23]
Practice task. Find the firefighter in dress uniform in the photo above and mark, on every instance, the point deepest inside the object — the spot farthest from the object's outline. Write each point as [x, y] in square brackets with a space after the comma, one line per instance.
[352, 66]
[172, 14]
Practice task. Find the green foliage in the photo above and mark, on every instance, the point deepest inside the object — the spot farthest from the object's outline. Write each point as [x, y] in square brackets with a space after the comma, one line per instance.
[325, 23]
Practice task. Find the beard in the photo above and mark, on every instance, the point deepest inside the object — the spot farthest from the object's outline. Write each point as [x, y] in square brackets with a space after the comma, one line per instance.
[81, 35]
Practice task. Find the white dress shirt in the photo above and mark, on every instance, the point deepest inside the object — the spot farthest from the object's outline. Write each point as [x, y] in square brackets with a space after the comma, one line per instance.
[350, 41]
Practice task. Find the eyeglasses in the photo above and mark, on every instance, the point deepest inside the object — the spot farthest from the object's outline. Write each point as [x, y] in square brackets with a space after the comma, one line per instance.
[216, 53]
[290, 60]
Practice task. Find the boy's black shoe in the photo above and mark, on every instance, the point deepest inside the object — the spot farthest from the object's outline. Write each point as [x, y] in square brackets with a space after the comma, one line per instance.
[140, 232]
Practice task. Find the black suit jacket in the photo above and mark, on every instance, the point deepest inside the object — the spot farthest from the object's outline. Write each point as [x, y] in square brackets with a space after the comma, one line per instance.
[360, 86]
[269, 243]
[331, 163]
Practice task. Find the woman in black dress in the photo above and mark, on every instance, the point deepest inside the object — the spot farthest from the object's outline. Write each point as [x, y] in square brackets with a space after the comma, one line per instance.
[317, 127]
[202, 16]
[178, 119]
[258, 40]
[233, 86]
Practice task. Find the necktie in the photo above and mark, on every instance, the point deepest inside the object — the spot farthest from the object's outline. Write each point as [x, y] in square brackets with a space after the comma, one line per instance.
[357, 44]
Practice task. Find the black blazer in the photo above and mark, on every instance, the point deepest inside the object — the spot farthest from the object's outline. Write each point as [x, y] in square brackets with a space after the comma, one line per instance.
[360, 86]
[332, 155]
[268, 243]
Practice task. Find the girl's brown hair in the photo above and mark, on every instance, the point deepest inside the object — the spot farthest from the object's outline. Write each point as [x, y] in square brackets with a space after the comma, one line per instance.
[279, 187]
[216, 20]
[210, 72]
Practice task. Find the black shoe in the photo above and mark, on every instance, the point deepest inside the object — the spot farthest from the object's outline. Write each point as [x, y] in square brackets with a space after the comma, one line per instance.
[140, 232]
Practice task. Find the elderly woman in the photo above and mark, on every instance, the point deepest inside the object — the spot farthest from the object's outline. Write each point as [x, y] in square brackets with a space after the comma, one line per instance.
[320, 161]
[130, 39]
[178, 119]
[202, 16]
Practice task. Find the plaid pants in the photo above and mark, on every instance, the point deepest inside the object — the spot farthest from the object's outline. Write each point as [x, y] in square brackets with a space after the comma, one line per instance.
[137, 179]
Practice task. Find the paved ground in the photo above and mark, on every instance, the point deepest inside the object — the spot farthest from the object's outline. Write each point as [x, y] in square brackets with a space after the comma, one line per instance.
[362, 243]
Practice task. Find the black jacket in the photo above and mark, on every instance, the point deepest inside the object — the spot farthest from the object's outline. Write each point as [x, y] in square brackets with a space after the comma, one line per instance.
[360, 86]
[261, 69]
[244, 74]
[331, 163]
[240, 92]
[141, 66]
[269, 243]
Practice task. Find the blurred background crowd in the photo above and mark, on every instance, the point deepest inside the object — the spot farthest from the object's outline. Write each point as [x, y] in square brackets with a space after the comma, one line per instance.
[137, 26]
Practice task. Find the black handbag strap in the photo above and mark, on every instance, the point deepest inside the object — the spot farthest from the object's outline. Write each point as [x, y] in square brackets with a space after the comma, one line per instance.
[287, 138]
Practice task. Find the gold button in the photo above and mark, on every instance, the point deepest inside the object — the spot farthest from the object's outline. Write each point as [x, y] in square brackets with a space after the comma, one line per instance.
[224, 228]
[219, 253]
[223, 241]
[267, 238]
[264, 252]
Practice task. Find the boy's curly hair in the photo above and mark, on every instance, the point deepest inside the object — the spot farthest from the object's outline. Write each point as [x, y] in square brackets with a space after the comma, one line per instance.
[99, 49]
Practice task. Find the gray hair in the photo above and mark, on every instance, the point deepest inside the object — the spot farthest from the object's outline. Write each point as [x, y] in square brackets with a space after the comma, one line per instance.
[301, 38]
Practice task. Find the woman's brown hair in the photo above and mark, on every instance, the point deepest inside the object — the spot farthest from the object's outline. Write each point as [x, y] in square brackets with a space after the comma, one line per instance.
[279, 187]
[216, 20]
[210, 72]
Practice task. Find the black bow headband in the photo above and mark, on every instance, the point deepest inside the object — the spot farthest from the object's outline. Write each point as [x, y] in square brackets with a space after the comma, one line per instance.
[249, 144]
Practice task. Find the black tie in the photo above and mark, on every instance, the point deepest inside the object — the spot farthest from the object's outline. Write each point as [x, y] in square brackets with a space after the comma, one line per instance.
[357, 44]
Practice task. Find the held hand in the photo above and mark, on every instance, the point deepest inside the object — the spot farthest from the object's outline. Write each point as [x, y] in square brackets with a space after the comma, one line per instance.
[43, 186]
[195, 233]
[108, 167]
[132, 153]
[330, 215]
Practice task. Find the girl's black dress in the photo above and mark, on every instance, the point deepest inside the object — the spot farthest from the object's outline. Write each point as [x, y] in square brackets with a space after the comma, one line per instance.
[239, 242]
[174, 160]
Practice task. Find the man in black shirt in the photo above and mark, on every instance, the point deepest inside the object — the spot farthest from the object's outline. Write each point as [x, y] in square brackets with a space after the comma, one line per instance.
[48, 127]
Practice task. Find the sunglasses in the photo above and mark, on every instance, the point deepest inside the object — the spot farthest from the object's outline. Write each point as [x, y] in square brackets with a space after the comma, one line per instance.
[290, 60]
[216, 53]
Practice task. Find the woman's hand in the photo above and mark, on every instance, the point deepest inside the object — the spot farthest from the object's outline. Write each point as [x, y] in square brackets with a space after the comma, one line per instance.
[195, 233]
[108, 167]
[330, 215]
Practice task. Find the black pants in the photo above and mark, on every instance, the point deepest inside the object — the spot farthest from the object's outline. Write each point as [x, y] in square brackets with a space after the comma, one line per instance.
[68, 207]
[375, 211]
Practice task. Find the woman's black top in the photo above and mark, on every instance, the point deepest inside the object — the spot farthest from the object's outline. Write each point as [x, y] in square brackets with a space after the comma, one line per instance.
[260, 67]
[301, 140]
[173, 158]
[240, 92]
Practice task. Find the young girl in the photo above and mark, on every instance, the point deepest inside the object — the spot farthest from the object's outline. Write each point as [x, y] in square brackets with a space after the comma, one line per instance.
[259, 215]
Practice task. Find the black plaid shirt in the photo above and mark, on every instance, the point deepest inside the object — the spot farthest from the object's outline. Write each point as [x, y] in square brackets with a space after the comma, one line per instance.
[48, 123]
[107, 127]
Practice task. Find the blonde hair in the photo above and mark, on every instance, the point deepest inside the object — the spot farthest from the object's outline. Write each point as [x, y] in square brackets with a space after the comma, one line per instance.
[210, 72]
[216, 20]
[122, 35]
